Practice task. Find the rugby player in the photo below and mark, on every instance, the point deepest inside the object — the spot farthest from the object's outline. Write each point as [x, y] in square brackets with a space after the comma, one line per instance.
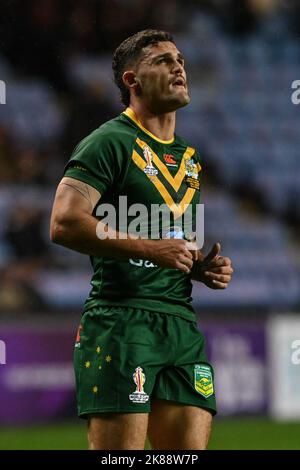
[140, 361]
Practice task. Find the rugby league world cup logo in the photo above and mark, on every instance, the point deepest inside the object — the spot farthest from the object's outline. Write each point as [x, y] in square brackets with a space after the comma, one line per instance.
[139, 396]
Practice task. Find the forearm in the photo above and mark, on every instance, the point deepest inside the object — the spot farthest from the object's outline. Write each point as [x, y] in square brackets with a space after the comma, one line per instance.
[80, 234]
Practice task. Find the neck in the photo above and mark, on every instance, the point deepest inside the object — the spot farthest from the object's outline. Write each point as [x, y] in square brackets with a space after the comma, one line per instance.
[160, 125]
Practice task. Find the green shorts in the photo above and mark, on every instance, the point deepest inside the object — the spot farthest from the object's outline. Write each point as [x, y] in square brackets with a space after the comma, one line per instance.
[126, 357]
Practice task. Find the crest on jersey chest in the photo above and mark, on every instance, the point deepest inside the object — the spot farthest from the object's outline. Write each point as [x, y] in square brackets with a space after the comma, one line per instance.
[191, 168]
[191, 174]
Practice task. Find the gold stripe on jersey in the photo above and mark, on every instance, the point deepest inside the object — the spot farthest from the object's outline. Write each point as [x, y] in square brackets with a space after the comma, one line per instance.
[175, 181]
[177, 209]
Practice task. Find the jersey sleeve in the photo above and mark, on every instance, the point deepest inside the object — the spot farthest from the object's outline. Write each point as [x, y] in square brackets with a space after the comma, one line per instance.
[96, 161]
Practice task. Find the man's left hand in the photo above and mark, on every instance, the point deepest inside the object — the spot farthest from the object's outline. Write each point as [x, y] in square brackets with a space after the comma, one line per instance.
[213, 270]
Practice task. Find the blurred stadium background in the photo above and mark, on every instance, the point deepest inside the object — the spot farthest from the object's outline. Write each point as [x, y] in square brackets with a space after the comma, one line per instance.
[242, 57]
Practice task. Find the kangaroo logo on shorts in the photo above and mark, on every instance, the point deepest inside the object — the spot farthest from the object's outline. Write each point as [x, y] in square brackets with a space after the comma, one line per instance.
[139, 396]
[203, 381]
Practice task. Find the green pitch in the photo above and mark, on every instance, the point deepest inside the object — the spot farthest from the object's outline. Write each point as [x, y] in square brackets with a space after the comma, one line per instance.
[228, 434]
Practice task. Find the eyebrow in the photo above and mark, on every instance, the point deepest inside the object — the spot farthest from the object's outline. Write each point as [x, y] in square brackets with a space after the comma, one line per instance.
[166, 55]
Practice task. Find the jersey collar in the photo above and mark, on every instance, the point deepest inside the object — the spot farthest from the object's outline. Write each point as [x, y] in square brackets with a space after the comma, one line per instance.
[131, 114]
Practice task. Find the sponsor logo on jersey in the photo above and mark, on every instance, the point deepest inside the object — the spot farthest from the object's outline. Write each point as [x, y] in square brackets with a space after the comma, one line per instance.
[142, 263]
[169, 159]
[203, 381]
[139, 378]
[149, 169]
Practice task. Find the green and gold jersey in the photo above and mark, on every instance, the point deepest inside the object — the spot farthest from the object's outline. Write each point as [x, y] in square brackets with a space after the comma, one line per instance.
[122, 158]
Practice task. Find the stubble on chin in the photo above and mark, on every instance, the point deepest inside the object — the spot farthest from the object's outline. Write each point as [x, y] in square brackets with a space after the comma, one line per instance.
[183, 100]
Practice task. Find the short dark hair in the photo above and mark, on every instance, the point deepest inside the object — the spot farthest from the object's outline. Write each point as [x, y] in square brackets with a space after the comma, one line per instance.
[129, 51]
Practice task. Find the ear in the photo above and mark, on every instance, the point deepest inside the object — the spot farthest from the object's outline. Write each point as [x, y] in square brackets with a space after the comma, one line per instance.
[129, 78]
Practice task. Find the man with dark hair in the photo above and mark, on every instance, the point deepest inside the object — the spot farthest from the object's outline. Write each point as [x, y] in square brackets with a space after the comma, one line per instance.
[130, 52]
[140, 363]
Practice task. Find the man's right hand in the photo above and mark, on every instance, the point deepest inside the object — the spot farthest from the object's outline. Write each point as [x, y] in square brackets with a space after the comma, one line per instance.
[173, 253]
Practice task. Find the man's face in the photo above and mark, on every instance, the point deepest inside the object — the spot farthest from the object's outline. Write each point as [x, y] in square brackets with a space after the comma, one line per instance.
[162, 78]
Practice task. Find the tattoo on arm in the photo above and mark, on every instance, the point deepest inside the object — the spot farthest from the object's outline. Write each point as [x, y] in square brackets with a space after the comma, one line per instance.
[83, 189]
